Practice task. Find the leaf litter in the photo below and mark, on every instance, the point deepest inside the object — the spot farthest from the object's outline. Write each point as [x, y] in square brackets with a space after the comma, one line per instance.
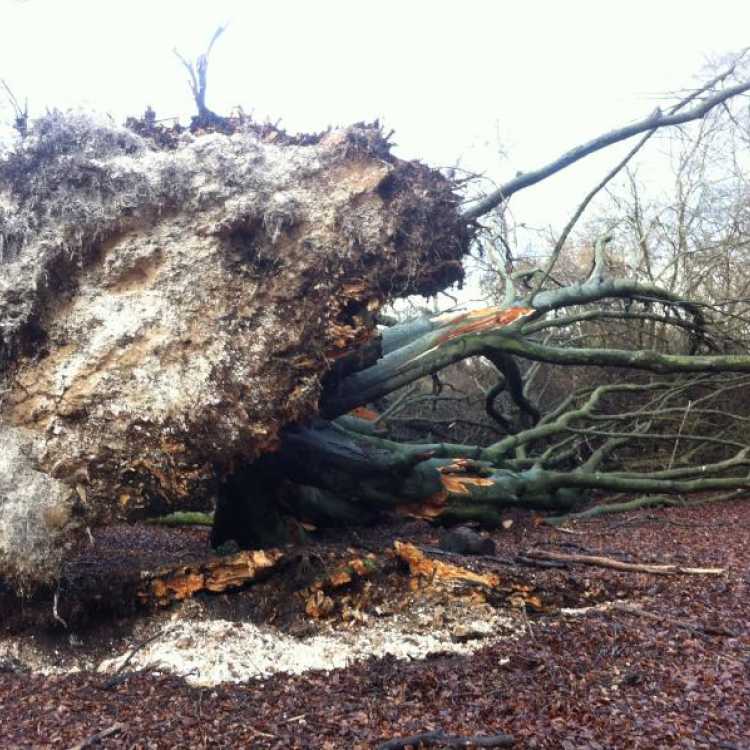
[579, 672]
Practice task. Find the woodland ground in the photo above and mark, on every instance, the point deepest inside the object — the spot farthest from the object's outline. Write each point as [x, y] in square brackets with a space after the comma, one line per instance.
[592, 678]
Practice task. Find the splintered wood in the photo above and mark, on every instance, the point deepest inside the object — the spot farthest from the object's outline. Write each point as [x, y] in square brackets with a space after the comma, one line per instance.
[168, 585]
[319, 605]
[431, 507]
[486, 586]
[463, 473]
[457, 478]
[478, 321]
[421, 566]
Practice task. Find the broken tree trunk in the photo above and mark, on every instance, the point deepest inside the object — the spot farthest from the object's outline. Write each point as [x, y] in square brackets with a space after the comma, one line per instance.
[327, 474]
[165, 310]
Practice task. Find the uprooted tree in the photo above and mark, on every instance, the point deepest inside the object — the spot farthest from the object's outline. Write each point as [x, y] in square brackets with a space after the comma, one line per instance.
[193, 319]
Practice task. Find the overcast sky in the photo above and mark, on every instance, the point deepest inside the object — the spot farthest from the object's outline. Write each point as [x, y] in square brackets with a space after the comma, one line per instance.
[456, 80]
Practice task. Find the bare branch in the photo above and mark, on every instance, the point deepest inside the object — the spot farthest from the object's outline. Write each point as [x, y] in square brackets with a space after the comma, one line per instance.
[198, 72]
[21, 123]
[652, 122]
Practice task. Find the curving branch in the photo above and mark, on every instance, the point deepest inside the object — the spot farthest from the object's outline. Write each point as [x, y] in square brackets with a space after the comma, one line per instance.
[653, 122]
[562, 239]
[489, 404]
[514, 382]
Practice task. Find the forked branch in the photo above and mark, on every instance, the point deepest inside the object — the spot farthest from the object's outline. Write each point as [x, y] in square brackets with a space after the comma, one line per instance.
[652, 122]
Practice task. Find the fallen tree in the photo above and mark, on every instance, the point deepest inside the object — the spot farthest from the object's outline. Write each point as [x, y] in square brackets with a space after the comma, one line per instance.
[165, 312]
[191, 318]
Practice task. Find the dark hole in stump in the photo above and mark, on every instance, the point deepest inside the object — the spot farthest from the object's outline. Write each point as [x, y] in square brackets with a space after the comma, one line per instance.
[247, 510]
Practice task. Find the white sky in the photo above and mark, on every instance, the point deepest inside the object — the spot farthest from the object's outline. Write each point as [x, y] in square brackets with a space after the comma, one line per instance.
[456, 80]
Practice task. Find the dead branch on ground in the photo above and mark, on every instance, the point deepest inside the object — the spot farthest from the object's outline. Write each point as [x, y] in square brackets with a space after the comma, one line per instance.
[608, 562]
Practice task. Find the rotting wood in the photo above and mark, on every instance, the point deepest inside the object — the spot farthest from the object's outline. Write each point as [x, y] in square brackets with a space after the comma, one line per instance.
[487, 585]
[421, 566]
[167, 585]
[608, 562]
[317, 603]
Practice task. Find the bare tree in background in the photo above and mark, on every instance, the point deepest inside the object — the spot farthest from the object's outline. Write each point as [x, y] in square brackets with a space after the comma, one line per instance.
[198, 78]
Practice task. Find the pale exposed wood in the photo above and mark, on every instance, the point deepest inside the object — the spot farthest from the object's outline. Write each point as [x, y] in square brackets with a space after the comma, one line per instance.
[167, 585]
[608, 562]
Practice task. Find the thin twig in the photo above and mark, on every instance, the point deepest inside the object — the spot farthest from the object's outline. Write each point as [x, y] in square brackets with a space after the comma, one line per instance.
[95, 739]
[606, 562]
[652, 122]
[562, 239]
[55, 614]
[115, 679]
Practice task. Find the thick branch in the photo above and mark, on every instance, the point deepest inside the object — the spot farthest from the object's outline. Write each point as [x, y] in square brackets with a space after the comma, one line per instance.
[636, 360]
[486, 332]
[412, 360]
[653, 122]
[607, 562]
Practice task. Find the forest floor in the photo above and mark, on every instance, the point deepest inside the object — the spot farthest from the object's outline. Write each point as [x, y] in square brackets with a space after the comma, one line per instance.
[575, 657]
